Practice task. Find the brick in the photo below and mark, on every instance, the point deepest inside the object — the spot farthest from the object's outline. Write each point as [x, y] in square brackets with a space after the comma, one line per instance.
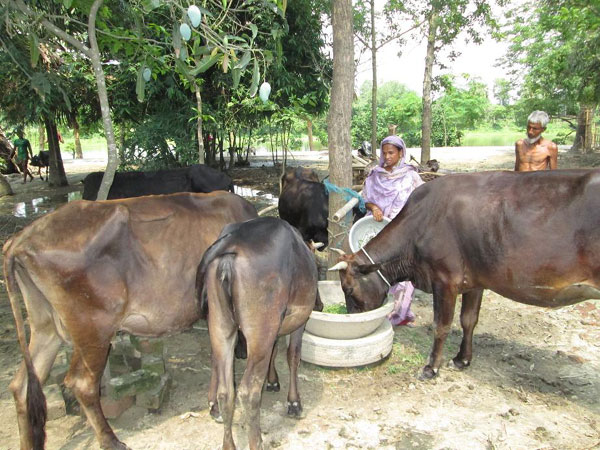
[123, 344]
[64, 356]
[121, 364]
[153, 399]
[54, 402]
[113, 408]
[57, 374]
[153, 363]
[148, 345]
[132, 383]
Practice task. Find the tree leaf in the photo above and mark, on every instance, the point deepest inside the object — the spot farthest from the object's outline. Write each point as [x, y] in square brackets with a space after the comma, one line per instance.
[206, 63]
[140, 86]
[35, 51]
[254, 29]
[244, 61]
[225, 63]
[176, 39]
[67, 3]
[236, 74]
[255, 79]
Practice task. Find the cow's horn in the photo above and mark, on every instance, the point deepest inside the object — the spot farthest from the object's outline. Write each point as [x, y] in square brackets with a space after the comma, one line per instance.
[342, 265]
[338, 251]
[316, 245]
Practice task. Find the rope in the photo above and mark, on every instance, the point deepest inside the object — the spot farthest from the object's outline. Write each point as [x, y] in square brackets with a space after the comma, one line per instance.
[347, 194]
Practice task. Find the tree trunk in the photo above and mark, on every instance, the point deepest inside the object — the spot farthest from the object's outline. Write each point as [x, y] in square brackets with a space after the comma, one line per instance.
[583, 136]
[309, 131]
[339, 119]
[426, 118]
[199, 125]
[6, 149]
[56, 176]
[76, 136]
[374, 86]
[122, 132]
[42, 136]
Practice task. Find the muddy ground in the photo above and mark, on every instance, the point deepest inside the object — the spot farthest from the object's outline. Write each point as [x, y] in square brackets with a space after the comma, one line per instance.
[534, 382]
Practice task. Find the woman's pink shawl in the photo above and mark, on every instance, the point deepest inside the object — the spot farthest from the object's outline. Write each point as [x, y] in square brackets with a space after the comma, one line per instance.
[390, 190]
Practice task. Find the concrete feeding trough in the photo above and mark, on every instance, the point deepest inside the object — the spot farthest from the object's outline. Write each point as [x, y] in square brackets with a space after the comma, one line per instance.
[346, 340]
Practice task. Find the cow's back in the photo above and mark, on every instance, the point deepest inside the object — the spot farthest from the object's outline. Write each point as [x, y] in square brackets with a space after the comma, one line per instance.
[144, 251]
[507, 230]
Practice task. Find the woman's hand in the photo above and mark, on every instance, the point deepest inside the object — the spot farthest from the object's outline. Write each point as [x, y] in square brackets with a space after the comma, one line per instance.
[377, 213]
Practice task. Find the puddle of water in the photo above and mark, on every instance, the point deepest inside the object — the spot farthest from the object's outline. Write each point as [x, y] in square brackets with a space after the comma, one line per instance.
[257, 195]
[43, 205]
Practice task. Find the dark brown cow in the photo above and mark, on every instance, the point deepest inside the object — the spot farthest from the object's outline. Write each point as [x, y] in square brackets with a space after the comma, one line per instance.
[259, 277]
[90, 269]
[303, 204]
[532, 237]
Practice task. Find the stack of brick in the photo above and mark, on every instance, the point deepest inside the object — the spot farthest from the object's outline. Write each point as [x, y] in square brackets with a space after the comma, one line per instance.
[135, 374]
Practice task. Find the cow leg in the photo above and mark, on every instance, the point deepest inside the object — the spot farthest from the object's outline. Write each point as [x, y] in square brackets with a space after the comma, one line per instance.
[212, 393]
[469, 315]
[83, 378]
[293, 357]
[272, 377]
[444, 300]
[223, 331]
[43, 347]
[250, 389]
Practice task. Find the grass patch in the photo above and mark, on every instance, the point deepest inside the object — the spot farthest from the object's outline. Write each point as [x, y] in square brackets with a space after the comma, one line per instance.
[410, 355]
[336, 308]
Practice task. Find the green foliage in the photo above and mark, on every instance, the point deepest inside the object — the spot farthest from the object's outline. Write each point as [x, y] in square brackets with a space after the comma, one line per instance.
[395, 105]
[554, 55]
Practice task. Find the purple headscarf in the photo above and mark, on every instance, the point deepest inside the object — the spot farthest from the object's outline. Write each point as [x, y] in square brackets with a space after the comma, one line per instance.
[390, 190]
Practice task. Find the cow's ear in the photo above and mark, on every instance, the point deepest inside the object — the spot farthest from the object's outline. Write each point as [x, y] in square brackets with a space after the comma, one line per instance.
[366, 269]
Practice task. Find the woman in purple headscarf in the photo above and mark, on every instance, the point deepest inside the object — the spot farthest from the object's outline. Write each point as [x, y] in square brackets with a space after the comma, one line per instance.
[385, 193]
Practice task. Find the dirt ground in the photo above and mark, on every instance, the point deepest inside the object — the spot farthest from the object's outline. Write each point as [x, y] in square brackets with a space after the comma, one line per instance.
[534, 382]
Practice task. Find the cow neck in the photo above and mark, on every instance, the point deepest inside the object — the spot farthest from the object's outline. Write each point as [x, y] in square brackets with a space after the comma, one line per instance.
[378, 271]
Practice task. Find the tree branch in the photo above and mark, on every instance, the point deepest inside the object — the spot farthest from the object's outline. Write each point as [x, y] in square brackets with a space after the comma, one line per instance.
[20, 5]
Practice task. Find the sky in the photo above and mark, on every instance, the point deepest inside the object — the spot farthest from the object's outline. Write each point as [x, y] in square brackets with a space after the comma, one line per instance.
[476, 60]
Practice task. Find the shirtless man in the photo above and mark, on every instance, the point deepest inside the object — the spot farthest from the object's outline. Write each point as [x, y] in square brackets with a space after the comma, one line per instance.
[535, 152]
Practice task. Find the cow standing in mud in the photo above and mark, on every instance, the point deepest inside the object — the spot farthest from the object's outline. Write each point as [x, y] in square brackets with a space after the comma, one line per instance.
[259, 277]
[90, 269]
[532, 237]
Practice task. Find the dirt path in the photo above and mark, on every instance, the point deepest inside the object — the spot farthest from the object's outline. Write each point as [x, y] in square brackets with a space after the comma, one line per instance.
[534, 381]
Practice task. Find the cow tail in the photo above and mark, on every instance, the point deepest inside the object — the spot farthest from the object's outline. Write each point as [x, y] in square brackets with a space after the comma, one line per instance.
[36, 402]
[216, 252]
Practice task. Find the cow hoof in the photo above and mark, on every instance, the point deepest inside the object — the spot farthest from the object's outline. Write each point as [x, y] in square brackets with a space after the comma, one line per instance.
[459, 364]
[273, 387]
[428, 373]
[294, 409]
[215, 413]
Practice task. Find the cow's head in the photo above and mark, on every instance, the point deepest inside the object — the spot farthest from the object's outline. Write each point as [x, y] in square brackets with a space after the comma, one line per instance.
[363, 288]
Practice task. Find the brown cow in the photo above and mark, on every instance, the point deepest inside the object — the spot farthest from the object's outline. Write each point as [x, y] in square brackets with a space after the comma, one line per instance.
[259, 277]
[532, 237]
[90, 269]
